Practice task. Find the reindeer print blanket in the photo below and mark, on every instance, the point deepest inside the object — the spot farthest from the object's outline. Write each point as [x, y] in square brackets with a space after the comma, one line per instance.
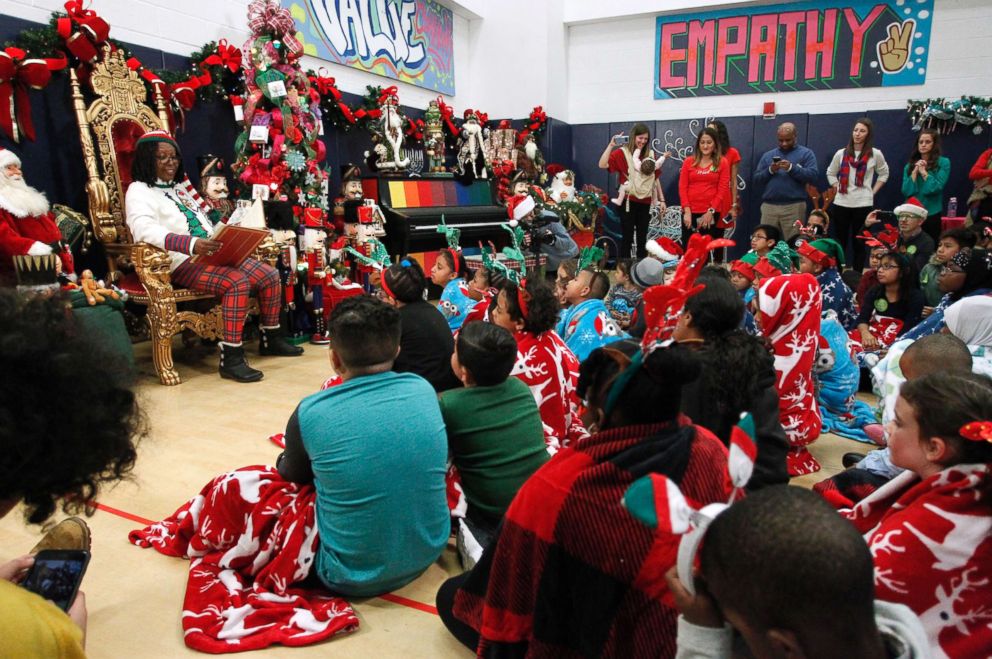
[931, 541]
[249, 536]
[790, 318]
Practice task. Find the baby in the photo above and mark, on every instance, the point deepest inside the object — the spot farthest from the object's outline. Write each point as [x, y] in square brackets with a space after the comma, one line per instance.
[646, 168]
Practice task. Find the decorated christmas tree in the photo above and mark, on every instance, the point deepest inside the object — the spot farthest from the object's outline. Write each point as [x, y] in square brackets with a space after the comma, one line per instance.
[280, 150]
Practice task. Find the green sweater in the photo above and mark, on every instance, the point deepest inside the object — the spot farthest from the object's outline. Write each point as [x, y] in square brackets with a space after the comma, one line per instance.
[929, 192]
[496, 440]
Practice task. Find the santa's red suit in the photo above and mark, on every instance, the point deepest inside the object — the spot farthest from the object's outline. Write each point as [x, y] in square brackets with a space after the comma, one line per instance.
[27, 225]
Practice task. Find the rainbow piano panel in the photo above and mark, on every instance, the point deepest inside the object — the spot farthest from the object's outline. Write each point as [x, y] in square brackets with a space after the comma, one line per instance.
[434, 193]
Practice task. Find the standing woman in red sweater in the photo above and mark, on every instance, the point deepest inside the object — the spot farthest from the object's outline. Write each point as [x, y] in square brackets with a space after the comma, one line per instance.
[733, 158]
[980, 201]
[635, 214]
[704, 187]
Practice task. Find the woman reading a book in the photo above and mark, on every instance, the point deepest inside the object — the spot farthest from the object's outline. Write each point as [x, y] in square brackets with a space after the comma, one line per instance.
[164, 210]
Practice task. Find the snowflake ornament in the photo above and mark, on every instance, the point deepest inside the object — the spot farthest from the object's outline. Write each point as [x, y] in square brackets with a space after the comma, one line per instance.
[296, 161]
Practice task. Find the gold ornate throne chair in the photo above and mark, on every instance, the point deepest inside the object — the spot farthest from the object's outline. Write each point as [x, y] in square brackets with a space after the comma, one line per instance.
[108, 128]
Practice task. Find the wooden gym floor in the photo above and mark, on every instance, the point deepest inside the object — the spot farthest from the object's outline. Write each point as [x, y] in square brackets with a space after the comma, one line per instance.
[198, 430]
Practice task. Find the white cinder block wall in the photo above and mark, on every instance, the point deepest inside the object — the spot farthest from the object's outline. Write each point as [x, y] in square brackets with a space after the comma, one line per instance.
[611, 69]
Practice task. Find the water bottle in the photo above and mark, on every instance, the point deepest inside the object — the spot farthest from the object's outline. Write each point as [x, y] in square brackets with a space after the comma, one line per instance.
[952, 207]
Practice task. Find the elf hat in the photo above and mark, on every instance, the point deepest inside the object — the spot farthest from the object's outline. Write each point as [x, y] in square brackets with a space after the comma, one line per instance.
[825, 252]
[519, 205]
[647, 272]
[912, 207]
[781, 257]
[664, 249]
[744, 269]
[751, 258]
[156, 136]
[765, 268]
[8, 157]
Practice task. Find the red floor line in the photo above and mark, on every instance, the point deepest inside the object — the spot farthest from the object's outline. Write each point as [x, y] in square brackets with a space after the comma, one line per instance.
[125, 515]
[405, 601]
[389, 597]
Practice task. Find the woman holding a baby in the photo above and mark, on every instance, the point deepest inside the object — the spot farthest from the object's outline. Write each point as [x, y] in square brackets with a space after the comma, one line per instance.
[635, 163]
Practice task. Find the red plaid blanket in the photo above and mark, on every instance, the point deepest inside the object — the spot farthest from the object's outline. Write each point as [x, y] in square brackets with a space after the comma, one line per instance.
[249, 535]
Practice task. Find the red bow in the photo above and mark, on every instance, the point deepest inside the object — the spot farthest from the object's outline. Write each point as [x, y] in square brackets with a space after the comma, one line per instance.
[538, 117]
[185, 92]
[415, 129]
[83, 31]
[977, 431]
[389, 92]
[447, 112]
[361, 113]
[325, 84]
[17, 76]
[226, 55]
[483, 118]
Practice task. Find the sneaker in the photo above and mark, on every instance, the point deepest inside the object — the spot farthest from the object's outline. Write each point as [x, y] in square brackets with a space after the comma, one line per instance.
[70, 533]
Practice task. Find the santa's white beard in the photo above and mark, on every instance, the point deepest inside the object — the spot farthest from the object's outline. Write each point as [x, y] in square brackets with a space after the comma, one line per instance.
[530, 149]
[21, 199]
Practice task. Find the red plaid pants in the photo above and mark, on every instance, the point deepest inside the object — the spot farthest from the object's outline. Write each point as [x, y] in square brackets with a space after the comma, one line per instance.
[234, 286]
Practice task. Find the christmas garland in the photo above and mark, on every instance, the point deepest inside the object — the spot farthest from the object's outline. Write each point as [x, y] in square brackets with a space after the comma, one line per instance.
[332, 107]
[945, 114]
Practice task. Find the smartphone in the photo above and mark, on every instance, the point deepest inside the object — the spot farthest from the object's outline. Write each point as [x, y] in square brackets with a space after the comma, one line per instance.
[776, 159]
[886, 216]
[622, 139]
[56, 575]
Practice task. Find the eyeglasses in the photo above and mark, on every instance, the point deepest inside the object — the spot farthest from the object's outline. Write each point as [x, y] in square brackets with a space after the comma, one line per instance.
[167, 158]
[758, 236]
[888, 266]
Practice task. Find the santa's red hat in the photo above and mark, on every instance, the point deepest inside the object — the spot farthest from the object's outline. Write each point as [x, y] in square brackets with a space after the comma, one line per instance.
[663, 248]
[518, 206]
[912, 207]
[8, 157]
[765, 268]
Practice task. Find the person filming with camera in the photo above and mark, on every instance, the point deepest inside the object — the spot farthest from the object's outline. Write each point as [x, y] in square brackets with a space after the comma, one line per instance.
[544, 234]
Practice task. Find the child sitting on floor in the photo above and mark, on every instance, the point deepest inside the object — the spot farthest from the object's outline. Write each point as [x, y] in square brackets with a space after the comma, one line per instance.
[586, 324]
[624, 296]
[824, 258]
[381, 508]
[742, 277]
[761, 561]
[567, 270]
[949, 244]
[450, 272]
[929, 528]
[495, 434]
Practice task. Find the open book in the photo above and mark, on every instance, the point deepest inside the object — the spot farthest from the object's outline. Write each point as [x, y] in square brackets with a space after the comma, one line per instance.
[238, 244]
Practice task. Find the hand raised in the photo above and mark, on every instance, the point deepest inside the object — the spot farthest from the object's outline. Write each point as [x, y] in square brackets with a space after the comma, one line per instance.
[893, 53]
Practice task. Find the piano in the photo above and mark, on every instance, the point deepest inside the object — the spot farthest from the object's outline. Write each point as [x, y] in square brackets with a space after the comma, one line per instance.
[413, 207]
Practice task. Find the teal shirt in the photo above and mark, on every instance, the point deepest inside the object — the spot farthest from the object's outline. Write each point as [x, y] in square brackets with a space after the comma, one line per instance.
[496, 439]
[378, 449]
[931, 191]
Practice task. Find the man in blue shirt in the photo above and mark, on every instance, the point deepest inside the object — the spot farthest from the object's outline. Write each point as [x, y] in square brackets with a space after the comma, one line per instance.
[785, 171]
[375, 448]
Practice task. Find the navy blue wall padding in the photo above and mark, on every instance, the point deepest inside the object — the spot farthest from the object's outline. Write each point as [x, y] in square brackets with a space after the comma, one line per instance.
[54, 161]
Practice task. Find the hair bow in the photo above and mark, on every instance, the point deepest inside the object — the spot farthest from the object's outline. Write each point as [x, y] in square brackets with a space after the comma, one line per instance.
[977, 431]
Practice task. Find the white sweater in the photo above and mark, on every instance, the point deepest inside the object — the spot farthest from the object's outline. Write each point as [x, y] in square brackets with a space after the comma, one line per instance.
[858, 197]
[152, 215]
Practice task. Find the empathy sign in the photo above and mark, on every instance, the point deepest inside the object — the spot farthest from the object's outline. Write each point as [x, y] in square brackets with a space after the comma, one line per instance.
[792, 47]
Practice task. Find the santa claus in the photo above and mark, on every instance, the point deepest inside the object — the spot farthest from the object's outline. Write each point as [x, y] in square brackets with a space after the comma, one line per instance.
[27, 226]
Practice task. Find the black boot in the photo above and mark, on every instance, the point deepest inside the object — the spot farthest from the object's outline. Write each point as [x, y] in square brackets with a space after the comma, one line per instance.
[233, 365]
[273, 343]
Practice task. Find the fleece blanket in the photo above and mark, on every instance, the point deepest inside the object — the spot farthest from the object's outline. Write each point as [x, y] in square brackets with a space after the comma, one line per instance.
[931, 541]
[250, 537]
[885, 329]
[842, 413]
[790, 318]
